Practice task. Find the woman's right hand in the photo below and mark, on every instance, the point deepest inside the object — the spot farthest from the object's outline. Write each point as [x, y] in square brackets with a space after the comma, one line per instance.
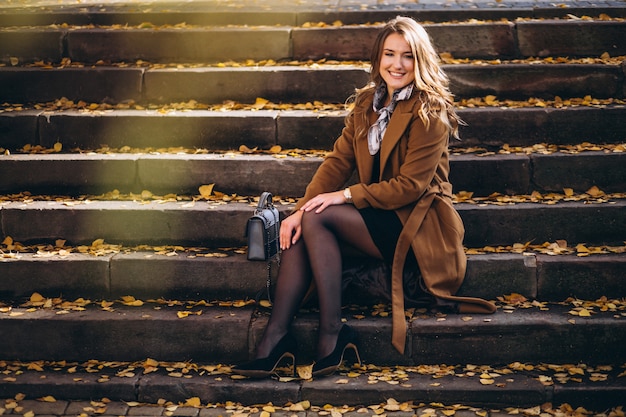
[291, 230]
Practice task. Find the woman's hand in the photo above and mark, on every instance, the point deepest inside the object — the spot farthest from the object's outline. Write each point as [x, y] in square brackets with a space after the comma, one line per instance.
[290, 230]
[321, 201]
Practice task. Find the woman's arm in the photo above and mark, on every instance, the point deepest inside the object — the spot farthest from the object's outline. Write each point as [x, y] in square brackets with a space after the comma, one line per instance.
[337, 167]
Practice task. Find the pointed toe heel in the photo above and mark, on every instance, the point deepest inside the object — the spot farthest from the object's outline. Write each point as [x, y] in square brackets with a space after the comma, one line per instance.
[332, 362]
[266, 367]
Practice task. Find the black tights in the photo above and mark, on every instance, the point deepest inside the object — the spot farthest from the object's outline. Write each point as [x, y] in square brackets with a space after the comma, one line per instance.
[316, 256]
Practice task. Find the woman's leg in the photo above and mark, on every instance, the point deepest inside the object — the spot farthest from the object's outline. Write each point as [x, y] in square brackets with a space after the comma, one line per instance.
[294, 279]
[323, 234]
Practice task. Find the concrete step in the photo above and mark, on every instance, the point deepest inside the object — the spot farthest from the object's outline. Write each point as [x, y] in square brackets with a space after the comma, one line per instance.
[288, 13]
[248, 174]
[294, 84]
[458, 389]
[215, 224]
[213, 275]
[226, 335]
[303, 129]
[505, 40]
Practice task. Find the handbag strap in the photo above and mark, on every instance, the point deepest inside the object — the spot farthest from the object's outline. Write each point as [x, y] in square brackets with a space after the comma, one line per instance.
[265, 201]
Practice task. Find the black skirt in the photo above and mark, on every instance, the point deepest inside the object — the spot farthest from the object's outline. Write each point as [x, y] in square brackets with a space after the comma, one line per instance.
[370, 279]
[384, 227]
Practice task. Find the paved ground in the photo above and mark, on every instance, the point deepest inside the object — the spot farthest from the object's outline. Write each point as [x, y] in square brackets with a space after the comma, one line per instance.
[104, 408]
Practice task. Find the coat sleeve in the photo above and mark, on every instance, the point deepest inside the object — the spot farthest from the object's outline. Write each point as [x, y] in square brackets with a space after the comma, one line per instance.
[414, 161]
[337, 167]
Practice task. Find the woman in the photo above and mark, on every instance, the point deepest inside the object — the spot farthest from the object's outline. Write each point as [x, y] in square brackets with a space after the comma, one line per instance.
[396, 138]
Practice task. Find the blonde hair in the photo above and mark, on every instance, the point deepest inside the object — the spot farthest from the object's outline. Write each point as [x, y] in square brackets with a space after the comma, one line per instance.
[430, 80]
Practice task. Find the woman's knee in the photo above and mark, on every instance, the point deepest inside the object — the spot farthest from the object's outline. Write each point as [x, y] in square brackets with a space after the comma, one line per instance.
[310, 221]
[314, 221]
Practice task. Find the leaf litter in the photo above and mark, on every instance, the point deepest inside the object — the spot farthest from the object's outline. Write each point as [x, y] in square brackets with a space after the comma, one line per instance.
[323, 108]
[400, 376]
[388, 407]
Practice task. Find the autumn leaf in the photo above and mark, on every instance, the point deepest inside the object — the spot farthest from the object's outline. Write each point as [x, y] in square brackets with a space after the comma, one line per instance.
[514, 298]
[206, 190]
[301, 406]
[36, 298]
[193, 402]
[595, 192]
[260, 103]
[33, 366]
[305, 372]
[245, 149]
[581, 248]
[129, 300]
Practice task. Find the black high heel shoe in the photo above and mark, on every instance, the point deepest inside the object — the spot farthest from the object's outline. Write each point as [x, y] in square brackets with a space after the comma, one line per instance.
[329, 364]
[264, 367]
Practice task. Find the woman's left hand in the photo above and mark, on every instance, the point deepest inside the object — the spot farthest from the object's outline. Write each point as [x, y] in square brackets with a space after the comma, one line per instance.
[321, 201]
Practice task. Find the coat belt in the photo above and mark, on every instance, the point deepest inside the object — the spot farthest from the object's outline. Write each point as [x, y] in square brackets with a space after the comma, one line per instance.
[398, 338]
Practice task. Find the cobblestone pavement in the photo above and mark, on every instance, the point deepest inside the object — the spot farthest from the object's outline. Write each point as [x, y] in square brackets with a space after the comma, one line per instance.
[39, 408]
[106, 408]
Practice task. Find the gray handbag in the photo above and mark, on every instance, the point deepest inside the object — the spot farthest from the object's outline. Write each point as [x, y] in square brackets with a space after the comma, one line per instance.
[262, 230]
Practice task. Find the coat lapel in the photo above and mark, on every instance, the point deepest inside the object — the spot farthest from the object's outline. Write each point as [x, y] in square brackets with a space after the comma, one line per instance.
[398, 123]
[365, 161]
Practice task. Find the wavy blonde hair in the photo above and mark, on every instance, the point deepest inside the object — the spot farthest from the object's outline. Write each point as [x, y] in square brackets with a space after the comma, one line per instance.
[431, 82]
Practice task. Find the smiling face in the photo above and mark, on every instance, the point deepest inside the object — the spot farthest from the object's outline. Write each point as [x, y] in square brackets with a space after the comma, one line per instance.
[397, 64]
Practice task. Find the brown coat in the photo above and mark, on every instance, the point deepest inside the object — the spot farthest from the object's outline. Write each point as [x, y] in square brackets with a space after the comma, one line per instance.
[414, 169]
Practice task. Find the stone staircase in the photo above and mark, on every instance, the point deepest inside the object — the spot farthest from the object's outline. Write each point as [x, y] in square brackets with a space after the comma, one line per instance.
[113, 118]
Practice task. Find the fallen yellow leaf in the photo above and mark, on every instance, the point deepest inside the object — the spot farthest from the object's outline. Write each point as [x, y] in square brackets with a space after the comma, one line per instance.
[193, 402]
[595, 191]
[206, 190]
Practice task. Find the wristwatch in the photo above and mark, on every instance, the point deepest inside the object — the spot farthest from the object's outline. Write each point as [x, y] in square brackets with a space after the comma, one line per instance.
[347, 195]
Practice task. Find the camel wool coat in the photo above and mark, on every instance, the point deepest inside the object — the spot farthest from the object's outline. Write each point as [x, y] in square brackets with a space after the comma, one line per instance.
[413, 181]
